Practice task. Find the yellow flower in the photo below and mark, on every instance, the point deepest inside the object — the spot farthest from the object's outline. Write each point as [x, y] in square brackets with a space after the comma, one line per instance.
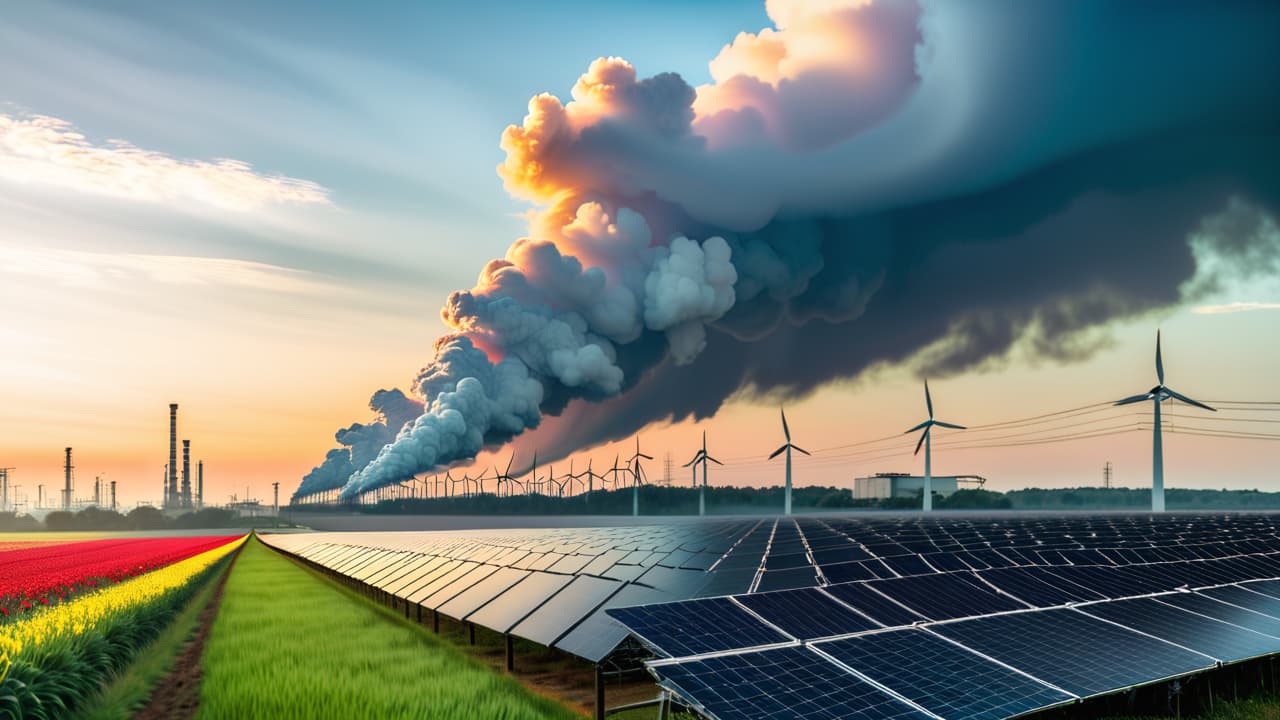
[86, 613]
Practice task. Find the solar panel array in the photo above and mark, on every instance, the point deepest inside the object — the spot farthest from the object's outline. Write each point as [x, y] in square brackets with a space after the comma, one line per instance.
[796, 581]
[1012, 618]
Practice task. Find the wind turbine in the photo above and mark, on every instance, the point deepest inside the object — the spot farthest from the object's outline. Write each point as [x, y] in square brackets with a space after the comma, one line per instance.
[1157, 395]
[636, 472]
[702, 457]
[788, 447]
[926, 440]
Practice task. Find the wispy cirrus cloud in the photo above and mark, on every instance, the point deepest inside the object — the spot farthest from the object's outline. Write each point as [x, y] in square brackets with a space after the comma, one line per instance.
[39, 149]
[76, 268]
[1234, 307]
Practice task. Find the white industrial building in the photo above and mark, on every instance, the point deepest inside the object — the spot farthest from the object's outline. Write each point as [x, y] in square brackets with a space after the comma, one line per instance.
[892, 485]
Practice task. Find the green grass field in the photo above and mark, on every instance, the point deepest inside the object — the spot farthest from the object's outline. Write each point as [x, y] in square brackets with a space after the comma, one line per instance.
[289, 644]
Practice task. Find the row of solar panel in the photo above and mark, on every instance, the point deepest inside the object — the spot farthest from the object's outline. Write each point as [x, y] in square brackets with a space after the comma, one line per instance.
[550, 597]
[985, 668]
[695, 627]
[552, 586]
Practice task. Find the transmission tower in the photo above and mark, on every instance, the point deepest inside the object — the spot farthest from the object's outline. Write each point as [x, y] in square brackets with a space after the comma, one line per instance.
[666, 471]
[1106, 475]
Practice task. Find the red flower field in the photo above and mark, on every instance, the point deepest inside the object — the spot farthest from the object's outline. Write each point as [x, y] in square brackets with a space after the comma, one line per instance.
[37, 576]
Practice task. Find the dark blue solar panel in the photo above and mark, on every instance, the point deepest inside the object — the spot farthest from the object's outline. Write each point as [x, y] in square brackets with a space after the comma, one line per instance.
[800, 577]
[1246, 598]
[851, 571]
[1236, 615]
[1080, 654]
[909, 565]
[878, 607]
[781, 684]
[945, 597]
[1030, 587]
[942, 677]
[806, 614]
[1228, 643]
[694, 627]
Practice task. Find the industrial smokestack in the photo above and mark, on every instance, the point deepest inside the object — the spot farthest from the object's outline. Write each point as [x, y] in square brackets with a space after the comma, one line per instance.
[200, 485]
[113, 496]
[66, 490]
[171, 490]
[186, 473]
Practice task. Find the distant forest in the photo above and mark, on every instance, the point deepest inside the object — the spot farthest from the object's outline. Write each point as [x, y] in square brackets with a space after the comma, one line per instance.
[140, 518]
[660, 500]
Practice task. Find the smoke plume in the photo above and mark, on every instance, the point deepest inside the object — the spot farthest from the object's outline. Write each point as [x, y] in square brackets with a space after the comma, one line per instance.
[866, 182]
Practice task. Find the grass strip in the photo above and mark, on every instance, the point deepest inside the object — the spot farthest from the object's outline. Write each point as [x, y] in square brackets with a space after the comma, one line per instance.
[288, 643]
[127, 693]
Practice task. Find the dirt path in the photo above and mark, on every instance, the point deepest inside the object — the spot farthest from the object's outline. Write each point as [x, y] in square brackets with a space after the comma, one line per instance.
[178, 694]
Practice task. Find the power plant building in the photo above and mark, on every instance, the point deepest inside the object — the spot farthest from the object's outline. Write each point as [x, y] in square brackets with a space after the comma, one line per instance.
[882, 486]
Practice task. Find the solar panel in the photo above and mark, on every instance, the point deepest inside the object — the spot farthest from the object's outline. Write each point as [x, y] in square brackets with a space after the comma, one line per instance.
[1080, 654]
[807, 613]
[781, 684]
[694, 627]
[1227, 643]
[874, 605]
[509, 608]
[564, 609]
[940, 676]
[1219, 610]
[790, 578]
[1031, 587]
[945, 597]
[1240, 595]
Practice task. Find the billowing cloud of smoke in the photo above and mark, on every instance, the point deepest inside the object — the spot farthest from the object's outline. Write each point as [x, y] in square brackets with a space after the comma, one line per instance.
[361, 442]
[868, 182]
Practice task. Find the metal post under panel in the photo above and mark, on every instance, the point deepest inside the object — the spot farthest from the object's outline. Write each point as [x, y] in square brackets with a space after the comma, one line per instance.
[511, 654]
[599, 692]
[471, 629]
[435, 621]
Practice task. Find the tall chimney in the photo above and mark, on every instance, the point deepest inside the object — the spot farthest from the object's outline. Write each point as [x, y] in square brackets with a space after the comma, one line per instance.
[113, 496]
[200, 485]
[66, 490]
[171, 490]
[186, 474]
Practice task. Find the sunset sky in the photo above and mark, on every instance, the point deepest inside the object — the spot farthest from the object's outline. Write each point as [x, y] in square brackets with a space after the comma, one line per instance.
[258, 212]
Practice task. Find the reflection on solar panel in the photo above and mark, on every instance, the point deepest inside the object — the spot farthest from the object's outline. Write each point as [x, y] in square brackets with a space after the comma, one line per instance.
[1227, 643]
[946, 596]
[1218, 610]
[943, 678]
[1073, 651]
[806, 614]
[781, 684]
[695, 627]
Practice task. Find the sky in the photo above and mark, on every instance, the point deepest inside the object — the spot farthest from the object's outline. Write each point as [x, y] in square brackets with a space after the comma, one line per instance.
[258, 213]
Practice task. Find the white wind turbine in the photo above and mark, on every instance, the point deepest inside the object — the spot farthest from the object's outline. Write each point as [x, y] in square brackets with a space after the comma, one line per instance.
[926, 440]
[702, 457]
[1157, 395]
[788, 447]
[637, 474]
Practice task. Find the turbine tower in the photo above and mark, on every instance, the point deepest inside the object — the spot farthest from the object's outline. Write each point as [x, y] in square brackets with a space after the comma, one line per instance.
[926, 440]
[788, 447]
[1157, 395]
[702, 457]
[636, 472]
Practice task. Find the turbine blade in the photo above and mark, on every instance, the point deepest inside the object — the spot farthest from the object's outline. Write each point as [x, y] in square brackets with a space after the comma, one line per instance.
[646, 457]
[1188, 400]
[777, 452]
[704, 442]
[1159, 363]
[948, 425]
[928, 399]
[695, 459]
[921, 426]
[785, 430]
[1133, 399]
[509, 464]
[797, 448]
[708, 457]
[923, 435]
